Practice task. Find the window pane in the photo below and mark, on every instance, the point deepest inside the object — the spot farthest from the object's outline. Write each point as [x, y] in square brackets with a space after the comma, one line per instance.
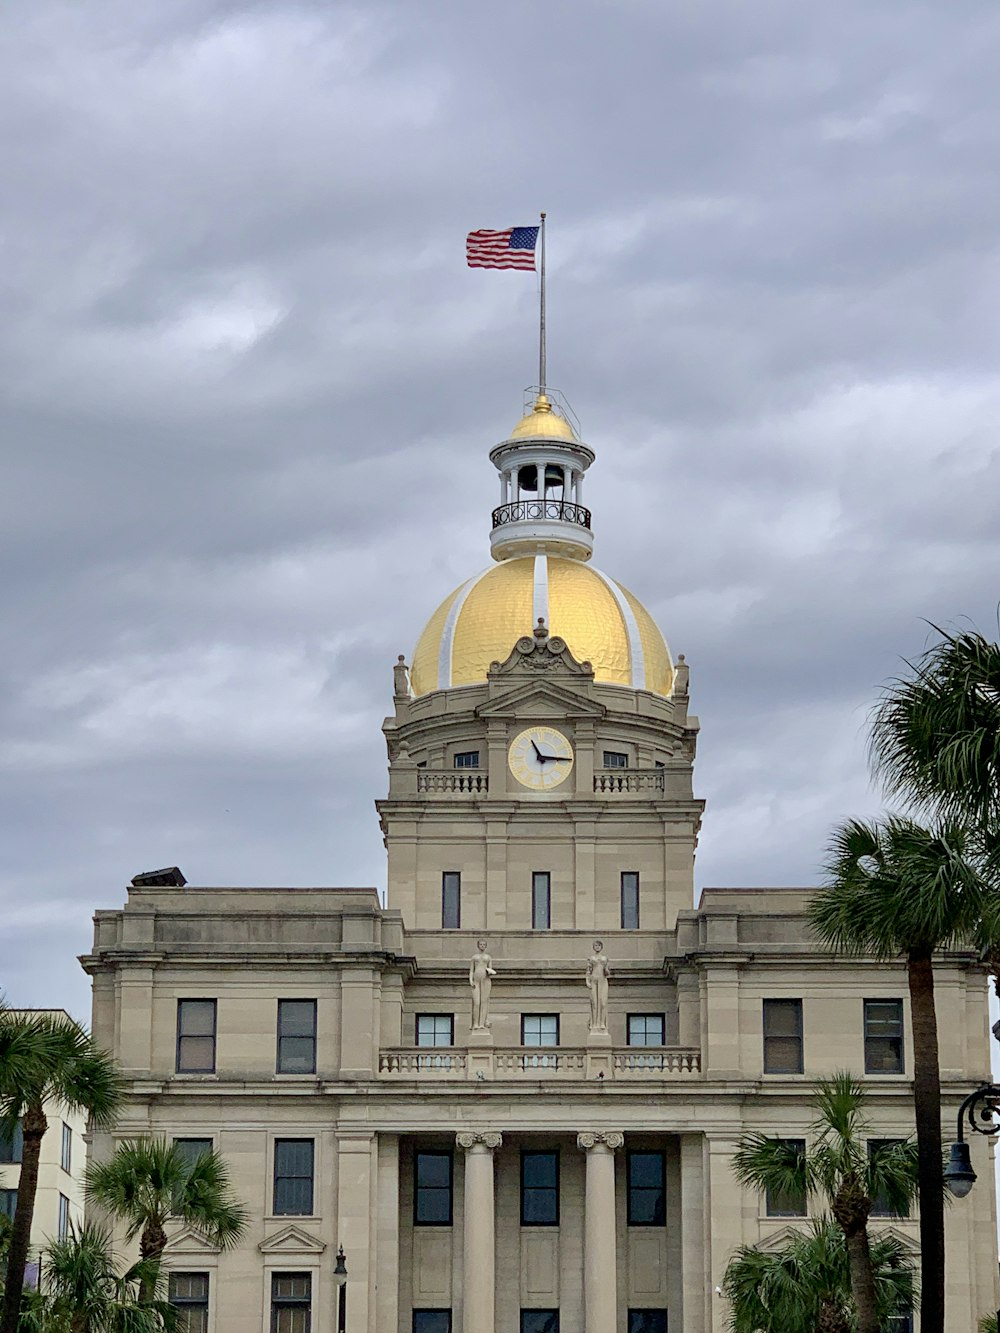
[66, 1151]
[778, 1203]
[191, 1149]
[615, 759]
[196, 1036]
[883, 1036]
[63, 1221]
[539, 1321]
[539, 1189]
[293, 1177]
[782, 1036]
[8, 1203]
[646, 1202]
[647, 1321]
[291, 1299]
[431, 1321]
[451, 900]
[188, 1293]
[467, 759]
[12, 1148]
[880, 1205]
[645, 1030]
[432, 1201]
[540, 900]
[630, 900]
[197, 1018]
[196, 1055]
[540, 1030]
[297, 1018]
[435, 1030]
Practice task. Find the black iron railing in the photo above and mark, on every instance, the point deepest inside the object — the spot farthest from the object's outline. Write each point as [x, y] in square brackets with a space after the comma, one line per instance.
[529, 511]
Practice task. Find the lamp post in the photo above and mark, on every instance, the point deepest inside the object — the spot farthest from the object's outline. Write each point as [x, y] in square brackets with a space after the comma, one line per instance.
[340, 1278]
[979, 1110]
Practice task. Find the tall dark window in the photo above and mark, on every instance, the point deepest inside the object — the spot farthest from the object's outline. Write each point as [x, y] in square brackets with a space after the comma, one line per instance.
[787, 1203]
[539, 1321]
[196, 1036]
[188, 1294]
[62, 1222]
[191, 1149]
[467, 759]
[646, 1181]
[541, 900]
[539, 1189]
[431, 1321]
[782, 1036]
[615, 759]
[630, 900]
[880, 1204]
[883, 1036]
[12, 1147]
[66, 1148]
[432, 1189]
[8, 1203]
[293, 1177]
[296, 1037]
[451, 900]
[645, 1029]
[291, 1302]
[647, 1321]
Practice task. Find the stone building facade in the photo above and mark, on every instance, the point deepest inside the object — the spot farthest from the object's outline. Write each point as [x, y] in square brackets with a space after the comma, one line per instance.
[512, 1094]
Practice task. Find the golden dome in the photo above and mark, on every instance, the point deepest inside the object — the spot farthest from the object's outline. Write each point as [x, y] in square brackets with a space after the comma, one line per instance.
[542, 423]
[601, 621]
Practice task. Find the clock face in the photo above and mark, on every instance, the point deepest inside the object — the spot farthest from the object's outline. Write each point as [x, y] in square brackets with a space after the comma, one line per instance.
[540, 758]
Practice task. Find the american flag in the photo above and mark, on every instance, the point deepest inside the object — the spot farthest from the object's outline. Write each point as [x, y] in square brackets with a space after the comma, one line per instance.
[513, 248]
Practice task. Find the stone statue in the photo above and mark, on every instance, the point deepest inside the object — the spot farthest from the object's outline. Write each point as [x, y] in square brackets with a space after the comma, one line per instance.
[401, 679]
[481, 972]
[598, 973]
[682, 676]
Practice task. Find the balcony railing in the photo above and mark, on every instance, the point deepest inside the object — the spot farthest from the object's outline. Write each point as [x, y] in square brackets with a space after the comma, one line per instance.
[535, 511]
[542, 1062]
[615, 780]
[448, 781]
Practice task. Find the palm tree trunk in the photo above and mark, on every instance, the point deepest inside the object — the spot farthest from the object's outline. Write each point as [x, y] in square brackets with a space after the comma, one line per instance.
[832, 1318]
[927, 1110]
[33, 1127]
[862, 1281]
[152, 1243]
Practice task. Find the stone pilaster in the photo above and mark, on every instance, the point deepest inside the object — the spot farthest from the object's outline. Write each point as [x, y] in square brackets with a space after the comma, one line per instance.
[479, 1233]
[600, 1255]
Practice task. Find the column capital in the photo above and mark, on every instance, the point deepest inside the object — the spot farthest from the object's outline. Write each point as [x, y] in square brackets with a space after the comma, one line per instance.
[489, 1139]
[602, 1138]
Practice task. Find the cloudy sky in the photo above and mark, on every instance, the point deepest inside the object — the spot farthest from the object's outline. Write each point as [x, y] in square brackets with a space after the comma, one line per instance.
[249, 386]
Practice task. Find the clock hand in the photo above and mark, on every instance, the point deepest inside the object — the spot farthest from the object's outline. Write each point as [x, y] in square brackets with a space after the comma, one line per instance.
[541, 757]
[558, 758]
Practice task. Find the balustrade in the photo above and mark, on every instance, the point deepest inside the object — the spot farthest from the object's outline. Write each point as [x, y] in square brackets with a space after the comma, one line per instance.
[534, 511]
[542, 1062]
[614, 780]
[449, 781]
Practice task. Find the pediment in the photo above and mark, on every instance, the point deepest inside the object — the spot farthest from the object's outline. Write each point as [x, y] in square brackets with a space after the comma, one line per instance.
[189, 1241]
[540, 698]
[782, 1239]
[538, 653]
[292, 1240]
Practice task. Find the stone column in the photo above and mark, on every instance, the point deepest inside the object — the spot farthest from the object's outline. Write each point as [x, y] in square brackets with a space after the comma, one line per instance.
[479, 1238]
[600, 1244]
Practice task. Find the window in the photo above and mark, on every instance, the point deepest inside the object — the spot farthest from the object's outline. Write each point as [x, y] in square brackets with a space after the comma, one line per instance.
[646, 1177]
[196, 1036]
[435, 1030]
[883, 1036]
[191, 1149]
[8, 1203]
[541, 900]
[630, 900]
[539, 1189]
[291, 1302]
[782, 1036]
[645, 1029]
[779, 1203]
[62, 1225]
[539, 1030]
[293, 1177]
[296, 1037]
[647, 1321]
[432, 1189]
[11, 1149]
[615, 759]
[539, 1321]
[431, 1321]
[902, 1322]
[188, 1294]
[451, 900]
[66, 1150]
[467, 759]
[880, 1204]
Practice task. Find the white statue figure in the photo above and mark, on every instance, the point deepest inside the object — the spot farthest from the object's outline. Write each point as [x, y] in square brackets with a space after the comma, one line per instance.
[598, 972]
[481, 972]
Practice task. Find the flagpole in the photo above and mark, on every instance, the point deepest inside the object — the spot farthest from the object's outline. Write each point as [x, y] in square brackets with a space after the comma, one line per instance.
[541, 309]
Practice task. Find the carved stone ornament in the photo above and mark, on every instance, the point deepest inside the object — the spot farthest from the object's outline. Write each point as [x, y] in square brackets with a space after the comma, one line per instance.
[487, 1139]
[540, 651]
[607, 1138]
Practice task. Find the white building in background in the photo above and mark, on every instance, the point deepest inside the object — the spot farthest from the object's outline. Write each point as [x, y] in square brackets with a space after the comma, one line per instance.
[513, 1094]
[61, 1170]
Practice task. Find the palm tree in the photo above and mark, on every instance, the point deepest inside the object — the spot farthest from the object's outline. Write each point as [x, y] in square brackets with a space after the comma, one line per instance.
[84, 1292]
[805, 1287]
[895, 889]
[839, 1168]
[45, 1058]
[150, 1182]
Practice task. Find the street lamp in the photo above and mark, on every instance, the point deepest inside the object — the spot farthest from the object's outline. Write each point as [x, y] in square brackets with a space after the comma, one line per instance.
[340, 1278]
[979, 1109]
